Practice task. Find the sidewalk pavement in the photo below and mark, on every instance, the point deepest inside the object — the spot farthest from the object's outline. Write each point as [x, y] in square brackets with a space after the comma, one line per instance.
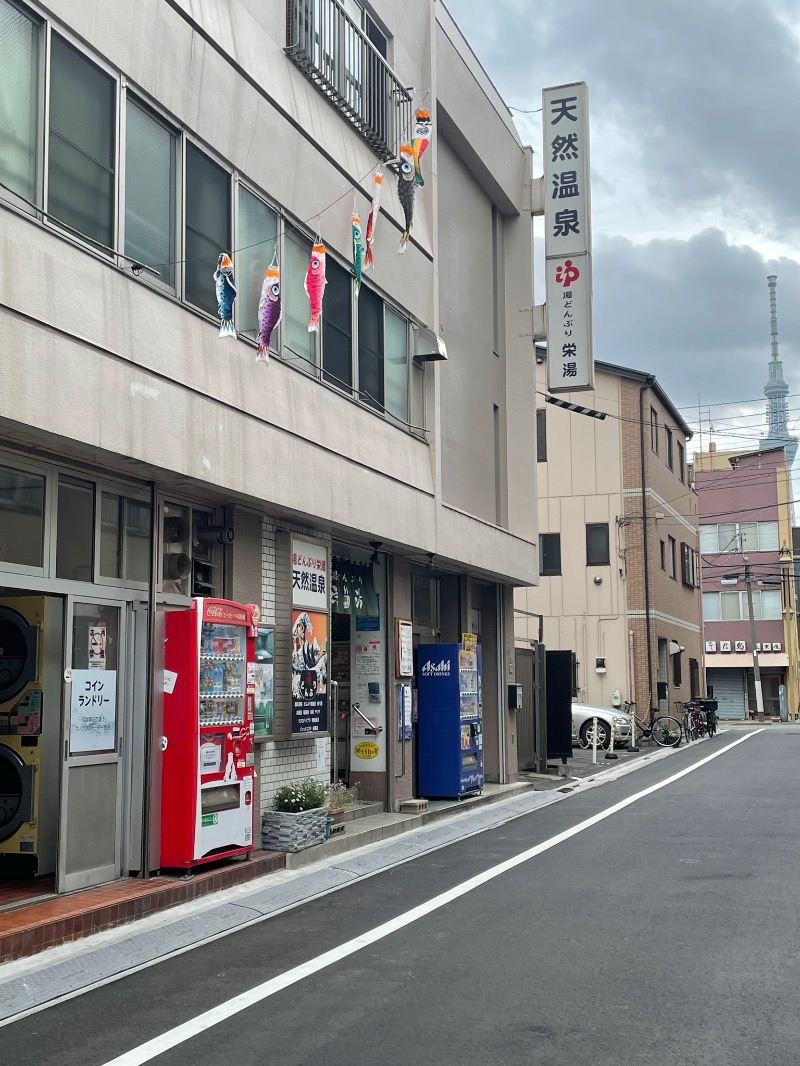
[41, 930]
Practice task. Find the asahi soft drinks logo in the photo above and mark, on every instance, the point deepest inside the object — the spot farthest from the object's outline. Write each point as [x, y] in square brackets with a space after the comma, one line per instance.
[440, 669]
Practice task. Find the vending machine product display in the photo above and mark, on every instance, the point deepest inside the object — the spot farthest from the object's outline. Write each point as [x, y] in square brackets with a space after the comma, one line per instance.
[209, 697]
[450, 727]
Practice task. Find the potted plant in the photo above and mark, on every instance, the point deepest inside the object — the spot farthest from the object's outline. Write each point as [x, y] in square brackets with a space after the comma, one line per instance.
[298, 817]
[340, 799]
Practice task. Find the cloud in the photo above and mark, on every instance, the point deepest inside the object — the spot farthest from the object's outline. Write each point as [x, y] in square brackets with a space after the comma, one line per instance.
[696, 313]
[697, 98]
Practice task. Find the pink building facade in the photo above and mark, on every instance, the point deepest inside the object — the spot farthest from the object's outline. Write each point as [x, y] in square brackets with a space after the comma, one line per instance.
[745, 526]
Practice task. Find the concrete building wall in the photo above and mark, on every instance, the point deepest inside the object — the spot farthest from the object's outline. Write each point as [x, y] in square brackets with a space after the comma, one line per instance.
[115, 373]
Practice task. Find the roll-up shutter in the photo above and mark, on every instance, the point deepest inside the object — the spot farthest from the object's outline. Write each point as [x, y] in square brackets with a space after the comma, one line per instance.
[729, 691]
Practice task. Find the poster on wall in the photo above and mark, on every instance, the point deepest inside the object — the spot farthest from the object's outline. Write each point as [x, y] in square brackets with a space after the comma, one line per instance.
[404, 643]
[309, 671]
[97, 647]
[93, 711]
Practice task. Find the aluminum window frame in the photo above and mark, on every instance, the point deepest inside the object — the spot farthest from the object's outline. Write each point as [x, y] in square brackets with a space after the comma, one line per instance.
[599, 562]
[132, 93]
[242, 183]
[106, 252]
[204, 149]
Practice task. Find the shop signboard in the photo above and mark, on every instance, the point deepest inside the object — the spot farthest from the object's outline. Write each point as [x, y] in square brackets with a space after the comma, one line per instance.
[310, 577]
[93, 711]
[568, 237]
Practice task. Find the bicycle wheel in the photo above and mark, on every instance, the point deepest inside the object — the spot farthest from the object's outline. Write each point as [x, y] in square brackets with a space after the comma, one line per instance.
[667, 732]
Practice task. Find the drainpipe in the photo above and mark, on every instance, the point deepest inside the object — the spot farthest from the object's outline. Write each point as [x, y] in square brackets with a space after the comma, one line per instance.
[643, 389]
[151, 669]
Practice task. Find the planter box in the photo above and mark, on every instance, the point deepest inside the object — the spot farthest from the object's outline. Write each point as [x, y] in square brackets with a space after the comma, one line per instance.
[284, 831]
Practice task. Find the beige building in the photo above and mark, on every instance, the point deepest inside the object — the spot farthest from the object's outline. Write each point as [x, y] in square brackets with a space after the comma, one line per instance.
[618, 543]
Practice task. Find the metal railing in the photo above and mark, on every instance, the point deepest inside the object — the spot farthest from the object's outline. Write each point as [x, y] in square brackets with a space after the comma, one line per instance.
[336, 55]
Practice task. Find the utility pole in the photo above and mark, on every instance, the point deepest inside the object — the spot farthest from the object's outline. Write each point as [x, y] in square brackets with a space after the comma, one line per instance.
[748, 580]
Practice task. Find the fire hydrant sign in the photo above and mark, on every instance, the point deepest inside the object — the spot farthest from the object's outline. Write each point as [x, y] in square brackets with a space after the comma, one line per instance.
[568, 237]
[93, 711]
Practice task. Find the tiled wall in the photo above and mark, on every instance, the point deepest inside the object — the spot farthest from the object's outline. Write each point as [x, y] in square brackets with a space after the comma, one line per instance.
[280, 762]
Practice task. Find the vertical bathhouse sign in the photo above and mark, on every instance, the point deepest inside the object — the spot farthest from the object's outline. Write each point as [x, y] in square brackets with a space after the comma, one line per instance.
[568, 238]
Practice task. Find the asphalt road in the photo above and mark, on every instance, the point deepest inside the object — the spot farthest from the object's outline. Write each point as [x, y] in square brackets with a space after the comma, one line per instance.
[664, 932]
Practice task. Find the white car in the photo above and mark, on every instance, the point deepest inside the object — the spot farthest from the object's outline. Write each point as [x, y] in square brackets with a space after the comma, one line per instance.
[583, 715]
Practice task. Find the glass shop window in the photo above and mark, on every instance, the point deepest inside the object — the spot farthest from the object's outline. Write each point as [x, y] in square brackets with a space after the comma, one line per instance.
[21, 517]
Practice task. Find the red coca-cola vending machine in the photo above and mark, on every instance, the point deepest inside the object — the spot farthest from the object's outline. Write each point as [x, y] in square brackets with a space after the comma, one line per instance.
[208, 776]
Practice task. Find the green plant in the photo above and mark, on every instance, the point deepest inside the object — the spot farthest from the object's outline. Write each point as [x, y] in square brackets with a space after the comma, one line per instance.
[300, 796]
[340, 796]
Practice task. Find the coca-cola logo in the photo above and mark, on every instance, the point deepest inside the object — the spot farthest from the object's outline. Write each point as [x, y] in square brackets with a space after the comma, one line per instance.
[225, 614]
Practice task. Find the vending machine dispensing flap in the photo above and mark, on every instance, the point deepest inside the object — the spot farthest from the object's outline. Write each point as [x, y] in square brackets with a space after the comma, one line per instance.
[19, 642]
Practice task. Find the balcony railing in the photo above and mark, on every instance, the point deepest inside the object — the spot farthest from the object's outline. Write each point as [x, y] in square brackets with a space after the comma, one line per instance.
[337, 56]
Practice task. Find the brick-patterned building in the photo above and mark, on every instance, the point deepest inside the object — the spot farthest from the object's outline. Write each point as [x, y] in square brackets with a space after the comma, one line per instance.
[618, 544]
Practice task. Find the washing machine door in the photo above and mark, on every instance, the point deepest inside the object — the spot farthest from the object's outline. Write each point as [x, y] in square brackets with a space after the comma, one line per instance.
[16, 792]
[18, 647]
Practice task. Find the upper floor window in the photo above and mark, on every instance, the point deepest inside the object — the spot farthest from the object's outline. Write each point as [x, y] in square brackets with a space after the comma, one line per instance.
[738, 537]
[549, 554]
[668, 434]
[690, 574]
[82, 144]
[597, 544]
[733, 606]
[541, 435]
[19, 102]
[681, 462]
[208, 226]
[255, 239]
[342, 50]
[337, 325]
[654, 429]
[150, 191]
[671, 556]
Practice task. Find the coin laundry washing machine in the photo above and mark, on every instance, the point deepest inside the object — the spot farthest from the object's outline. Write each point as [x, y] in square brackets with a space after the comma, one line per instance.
[31, 665]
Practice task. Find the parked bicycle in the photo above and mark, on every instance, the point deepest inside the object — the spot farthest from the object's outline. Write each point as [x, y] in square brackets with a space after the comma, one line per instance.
[699, 718]
[663, 729]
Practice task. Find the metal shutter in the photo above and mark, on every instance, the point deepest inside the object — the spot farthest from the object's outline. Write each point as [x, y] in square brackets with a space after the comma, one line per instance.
[729, 691]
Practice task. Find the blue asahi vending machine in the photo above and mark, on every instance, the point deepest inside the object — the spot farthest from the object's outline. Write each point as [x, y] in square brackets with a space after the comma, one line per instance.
[450, 726]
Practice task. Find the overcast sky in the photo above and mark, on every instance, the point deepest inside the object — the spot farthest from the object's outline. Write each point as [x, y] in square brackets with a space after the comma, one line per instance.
[695, 140]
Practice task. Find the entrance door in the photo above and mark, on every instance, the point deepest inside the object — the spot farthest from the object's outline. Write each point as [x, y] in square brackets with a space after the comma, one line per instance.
[92, 780]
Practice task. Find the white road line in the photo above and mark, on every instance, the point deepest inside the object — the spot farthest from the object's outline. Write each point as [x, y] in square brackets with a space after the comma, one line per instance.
[208, 1019]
